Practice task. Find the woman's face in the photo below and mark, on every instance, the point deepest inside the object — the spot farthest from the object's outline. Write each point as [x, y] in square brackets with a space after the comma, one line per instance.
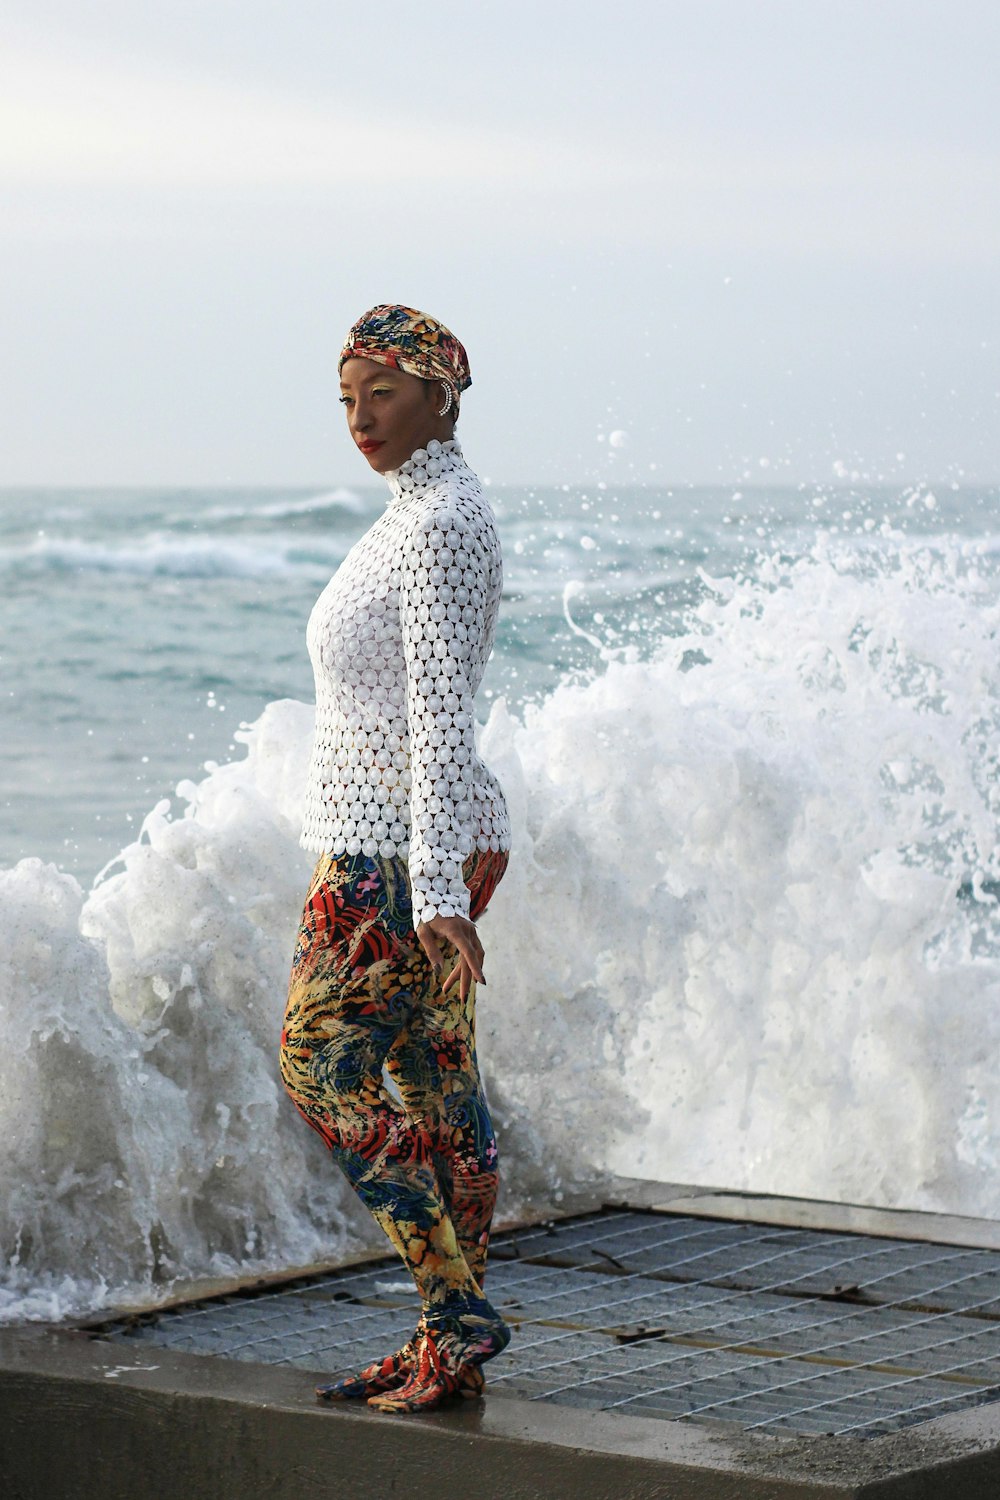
[391, 413]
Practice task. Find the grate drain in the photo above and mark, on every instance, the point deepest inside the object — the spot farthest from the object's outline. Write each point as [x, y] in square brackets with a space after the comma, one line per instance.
[792, 1330]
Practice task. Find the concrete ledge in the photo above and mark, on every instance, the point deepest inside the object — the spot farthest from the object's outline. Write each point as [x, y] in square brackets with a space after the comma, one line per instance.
[80, 1417]
[804, 1213]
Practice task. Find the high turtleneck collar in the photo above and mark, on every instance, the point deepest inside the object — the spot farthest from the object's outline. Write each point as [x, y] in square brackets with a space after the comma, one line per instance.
[423, 469]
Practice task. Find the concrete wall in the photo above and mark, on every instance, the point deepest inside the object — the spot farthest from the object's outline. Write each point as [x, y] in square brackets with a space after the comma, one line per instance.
[82, 1418]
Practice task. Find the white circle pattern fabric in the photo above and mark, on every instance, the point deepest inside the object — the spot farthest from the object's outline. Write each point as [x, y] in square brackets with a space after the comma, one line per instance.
[399, 640]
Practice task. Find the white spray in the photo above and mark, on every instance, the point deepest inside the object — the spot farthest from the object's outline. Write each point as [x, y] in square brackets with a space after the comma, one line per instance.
[747, 939]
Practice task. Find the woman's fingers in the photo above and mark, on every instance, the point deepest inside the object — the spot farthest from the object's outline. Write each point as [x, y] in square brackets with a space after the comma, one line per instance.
[461, 934]
[473, 962]
[453, 977]
[461, 975]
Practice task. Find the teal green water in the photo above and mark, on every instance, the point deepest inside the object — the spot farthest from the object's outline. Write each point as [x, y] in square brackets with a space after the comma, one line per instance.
[141, 627]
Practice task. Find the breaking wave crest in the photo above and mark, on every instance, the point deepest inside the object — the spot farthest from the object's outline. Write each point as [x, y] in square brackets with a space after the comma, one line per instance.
[748, 938]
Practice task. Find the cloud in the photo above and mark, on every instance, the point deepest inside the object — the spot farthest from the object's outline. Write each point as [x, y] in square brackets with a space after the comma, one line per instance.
[103, 121]
[881, 199]
[99, 123]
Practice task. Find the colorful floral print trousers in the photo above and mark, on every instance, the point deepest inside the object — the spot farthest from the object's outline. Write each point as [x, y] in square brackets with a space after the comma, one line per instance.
[363, 995]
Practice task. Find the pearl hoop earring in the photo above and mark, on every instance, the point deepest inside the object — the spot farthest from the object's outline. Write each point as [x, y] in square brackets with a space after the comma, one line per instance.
[446, 408]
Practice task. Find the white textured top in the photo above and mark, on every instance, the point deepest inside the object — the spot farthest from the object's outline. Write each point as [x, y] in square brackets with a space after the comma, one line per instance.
[399, 639]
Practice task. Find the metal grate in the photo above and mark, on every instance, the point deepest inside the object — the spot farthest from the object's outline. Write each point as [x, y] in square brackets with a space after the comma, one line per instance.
[674, 1317]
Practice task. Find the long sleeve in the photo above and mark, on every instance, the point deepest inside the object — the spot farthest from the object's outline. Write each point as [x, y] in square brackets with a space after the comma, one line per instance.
[399, 640]
[443, 612]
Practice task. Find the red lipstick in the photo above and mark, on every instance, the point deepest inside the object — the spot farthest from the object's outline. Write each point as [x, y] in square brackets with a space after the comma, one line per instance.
[369, 446]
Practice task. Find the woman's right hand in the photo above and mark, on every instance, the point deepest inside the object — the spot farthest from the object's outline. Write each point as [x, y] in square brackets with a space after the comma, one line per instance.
[462, 934]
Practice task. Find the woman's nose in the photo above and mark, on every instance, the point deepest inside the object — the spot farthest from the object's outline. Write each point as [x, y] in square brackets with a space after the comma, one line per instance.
[360, 415]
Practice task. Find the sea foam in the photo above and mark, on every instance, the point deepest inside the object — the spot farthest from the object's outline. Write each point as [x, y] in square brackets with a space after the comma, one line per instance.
[747, 938]
[168, 556]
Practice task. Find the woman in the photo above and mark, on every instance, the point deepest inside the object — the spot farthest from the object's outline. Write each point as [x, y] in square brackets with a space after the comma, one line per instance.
[412, 834]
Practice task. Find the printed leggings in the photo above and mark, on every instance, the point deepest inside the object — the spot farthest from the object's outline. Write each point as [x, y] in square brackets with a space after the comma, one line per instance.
[363, 994]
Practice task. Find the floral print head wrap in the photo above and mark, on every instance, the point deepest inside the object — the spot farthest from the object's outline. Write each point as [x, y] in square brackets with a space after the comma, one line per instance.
[405, 339]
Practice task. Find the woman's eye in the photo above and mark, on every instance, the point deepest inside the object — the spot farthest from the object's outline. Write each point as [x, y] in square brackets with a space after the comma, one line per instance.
[344, 400]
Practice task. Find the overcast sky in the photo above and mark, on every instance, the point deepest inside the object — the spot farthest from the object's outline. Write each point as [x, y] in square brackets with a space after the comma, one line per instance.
[761, 238]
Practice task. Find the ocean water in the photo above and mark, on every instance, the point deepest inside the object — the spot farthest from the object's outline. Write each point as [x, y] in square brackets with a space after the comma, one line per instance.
[750, 928]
